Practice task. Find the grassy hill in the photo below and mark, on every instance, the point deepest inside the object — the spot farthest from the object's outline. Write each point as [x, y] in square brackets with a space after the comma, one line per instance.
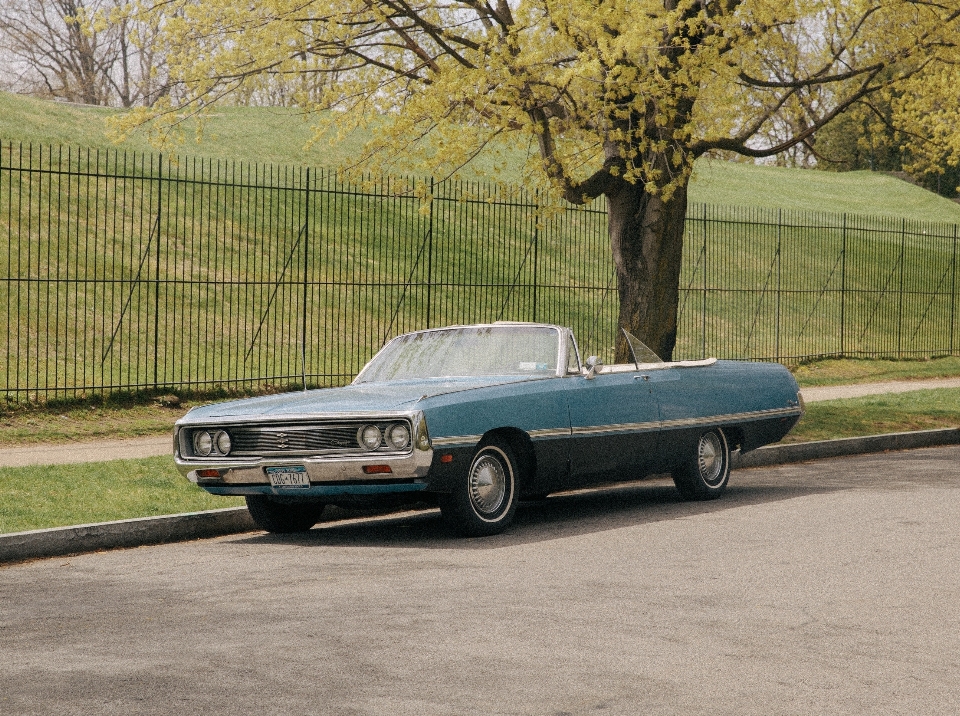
[281, 136]
[223, 258]
[862, 192]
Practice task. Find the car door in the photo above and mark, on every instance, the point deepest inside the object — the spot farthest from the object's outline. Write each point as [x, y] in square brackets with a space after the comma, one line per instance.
[614, 425]
[693, 398]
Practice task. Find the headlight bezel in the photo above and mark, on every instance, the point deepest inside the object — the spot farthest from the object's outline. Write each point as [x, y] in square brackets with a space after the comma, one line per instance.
[370, 437]
[223, 442]
[211, 442]
[202, 441]
[396, 430]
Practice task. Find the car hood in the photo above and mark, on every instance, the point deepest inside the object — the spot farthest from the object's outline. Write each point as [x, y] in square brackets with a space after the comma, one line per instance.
[363, 398]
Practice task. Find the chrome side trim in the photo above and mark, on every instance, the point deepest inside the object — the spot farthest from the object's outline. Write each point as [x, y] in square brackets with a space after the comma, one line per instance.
[617, 428]
[549, 433]
[731, 417]
[456, 441]
[583, 431]
[471, 440]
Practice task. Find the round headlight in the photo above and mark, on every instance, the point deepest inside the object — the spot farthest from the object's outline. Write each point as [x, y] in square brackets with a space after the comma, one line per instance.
[398, 436]
[370, 437]
[223, 442]
[202, 443]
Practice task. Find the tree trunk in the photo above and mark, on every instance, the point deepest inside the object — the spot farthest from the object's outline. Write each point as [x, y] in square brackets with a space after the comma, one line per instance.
[646, 236]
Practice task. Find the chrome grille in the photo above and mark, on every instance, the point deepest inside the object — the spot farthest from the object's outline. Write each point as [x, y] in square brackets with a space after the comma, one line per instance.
[294, 440]
[278, 440]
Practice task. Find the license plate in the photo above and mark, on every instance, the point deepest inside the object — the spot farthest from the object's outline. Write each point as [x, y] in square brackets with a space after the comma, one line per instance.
[288, 476]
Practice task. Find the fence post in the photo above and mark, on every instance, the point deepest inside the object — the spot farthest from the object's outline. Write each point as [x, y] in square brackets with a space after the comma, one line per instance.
[903, 249]
[156, 283]
[536, 247]
[430, 259]
[306, 268]
[953, 289]
[843, 289]
[776, 337]
[703, 303]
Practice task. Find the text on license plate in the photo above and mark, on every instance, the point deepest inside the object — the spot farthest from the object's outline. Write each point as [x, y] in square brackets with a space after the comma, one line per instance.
[288, 476]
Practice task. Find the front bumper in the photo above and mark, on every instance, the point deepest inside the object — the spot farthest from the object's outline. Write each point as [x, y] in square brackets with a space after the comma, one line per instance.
[318, 491]
[328, 474]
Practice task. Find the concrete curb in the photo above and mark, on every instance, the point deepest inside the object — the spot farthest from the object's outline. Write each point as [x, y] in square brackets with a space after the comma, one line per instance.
[799, 452]
[63, 541]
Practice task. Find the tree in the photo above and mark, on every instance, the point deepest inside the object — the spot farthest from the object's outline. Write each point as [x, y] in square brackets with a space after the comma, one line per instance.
[85, 51]
[619, 97]
[48, 39]
[906, 129]
[863, 137]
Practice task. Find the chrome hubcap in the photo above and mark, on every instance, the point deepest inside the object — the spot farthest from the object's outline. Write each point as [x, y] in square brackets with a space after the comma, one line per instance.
[488, 484]
[710, 458]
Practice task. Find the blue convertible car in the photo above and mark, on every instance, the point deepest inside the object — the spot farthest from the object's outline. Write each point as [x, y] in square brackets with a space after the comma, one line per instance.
[479, 417]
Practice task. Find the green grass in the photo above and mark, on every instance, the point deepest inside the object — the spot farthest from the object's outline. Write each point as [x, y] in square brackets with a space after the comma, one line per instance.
[280, 135]
[254, 134]
[846, 372]
[878, 414]
[80, 425]
[41, 497]
[366, 272]
[365, 257]
[81, 421]
[861, 192]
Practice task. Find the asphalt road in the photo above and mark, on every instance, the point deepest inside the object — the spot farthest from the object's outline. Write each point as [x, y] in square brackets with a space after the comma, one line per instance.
[820, 588]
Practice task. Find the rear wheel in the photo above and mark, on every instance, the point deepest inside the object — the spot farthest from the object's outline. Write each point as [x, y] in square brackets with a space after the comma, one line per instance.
[484, 500]
[276, 515]
[704, 475]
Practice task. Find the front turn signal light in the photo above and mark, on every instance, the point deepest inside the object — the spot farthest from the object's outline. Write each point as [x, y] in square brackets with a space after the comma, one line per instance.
[377, 469]
[423, 437]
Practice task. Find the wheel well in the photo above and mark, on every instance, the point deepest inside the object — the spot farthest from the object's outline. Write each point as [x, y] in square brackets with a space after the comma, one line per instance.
[735, 436]
[522, 448]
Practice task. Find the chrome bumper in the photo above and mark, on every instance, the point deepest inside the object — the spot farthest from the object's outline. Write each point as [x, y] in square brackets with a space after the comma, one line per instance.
[326, 469]
[328, 473]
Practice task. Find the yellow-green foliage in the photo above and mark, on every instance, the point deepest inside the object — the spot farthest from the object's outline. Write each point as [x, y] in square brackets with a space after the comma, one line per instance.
[632, 88]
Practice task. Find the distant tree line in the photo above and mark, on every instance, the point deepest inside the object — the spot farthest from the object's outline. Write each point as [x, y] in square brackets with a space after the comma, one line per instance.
[908, 132]
[96, 52]
[78, 51]
[871, 135]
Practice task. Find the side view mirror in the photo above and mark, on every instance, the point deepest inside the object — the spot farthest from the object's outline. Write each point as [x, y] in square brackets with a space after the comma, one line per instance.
[592, 365]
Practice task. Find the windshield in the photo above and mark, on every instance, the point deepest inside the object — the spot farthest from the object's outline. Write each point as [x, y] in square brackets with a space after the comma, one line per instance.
[467, 351]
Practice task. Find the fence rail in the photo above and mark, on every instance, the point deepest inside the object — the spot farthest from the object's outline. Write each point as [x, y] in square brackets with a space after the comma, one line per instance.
[136, 271]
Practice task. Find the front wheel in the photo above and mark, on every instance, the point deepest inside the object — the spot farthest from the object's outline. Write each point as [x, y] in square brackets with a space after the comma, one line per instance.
[484, 500]
[283, 517]
[705, 473]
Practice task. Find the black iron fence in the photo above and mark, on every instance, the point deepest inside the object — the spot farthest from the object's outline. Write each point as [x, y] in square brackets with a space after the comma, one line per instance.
[791, 285]
[130, 271]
